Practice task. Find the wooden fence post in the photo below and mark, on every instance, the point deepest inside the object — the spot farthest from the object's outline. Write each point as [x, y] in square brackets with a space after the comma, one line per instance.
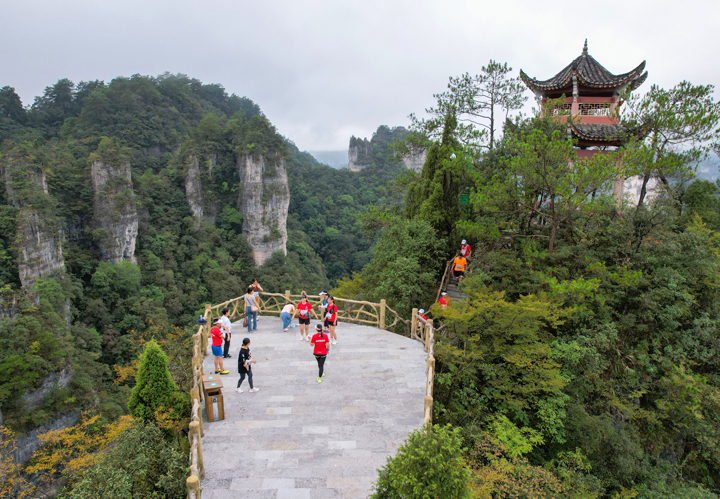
[381, 319]
[195, 430]
[287, 295]
[193, 486]
[413, 323]
[206, 331]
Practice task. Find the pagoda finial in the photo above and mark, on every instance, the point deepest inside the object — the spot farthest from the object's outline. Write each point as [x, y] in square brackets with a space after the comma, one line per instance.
[585, 48]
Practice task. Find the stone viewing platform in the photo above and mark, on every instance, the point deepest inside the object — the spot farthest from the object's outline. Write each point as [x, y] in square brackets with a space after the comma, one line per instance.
[300, 439]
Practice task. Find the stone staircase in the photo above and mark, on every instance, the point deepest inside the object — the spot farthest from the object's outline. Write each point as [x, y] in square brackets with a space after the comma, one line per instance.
[453, 292]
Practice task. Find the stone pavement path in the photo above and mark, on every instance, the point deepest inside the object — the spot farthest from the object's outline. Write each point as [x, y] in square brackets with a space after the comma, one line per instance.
[300, 439]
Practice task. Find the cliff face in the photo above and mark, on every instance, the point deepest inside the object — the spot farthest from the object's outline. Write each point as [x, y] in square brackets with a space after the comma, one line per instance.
[264, 199]
[359, 154]
[193, 188]
[200, 205]
[115, 216]
[39, 240]
[415, 162]
[363, 152]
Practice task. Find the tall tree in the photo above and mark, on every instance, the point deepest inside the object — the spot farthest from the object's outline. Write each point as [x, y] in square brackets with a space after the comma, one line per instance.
[11, 105]
[475, 101]
[545, 185]
[680, 126]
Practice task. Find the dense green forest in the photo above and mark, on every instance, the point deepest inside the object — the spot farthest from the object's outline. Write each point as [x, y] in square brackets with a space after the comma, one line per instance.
[584, 361]
[83, 326]
[582, 364]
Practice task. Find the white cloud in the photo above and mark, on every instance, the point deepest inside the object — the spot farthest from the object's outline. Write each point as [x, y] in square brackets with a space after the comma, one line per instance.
[323, 70]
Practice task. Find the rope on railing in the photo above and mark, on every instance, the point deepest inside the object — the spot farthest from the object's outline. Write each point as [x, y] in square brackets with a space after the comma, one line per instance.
[359, 312]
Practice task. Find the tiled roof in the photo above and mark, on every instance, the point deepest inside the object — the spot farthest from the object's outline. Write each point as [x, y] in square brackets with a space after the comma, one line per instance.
[597, 131]
[590, 73]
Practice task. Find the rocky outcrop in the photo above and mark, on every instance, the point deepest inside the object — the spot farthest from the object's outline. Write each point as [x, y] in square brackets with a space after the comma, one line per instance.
[38, 234]
[26, 445]
[363, 152]
[263, 200]
[200, 204]
[194, 188]
[359, 154]
[32, 400]
[415, 162]
[115, 216]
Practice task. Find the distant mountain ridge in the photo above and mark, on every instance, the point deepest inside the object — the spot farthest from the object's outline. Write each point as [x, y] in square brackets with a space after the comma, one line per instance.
[335, 159]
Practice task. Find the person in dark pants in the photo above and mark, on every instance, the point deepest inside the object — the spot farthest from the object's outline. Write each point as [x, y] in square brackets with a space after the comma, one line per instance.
[245, 366]
[227, 325]
[320, 343]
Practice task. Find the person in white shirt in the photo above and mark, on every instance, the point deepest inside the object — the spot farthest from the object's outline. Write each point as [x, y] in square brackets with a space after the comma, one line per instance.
[226, 326]
[288, 309]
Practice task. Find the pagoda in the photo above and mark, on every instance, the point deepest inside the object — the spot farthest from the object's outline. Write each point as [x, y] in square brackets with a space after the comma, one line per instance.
[591, 96]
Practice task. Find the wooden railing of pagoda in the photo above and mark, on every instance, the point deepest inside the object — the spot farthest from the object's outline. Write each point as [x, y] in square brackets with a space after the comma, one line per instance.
[353, 311]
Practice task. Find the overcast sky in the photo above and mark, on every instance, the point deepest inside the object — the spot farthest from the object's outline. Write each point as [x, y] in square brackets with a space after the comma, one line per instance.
[323, 70]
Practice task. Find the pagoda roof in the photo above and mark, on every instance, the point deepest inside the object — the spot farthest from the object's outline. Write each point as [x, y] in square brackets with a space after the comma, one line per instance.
[597, 131]
[590, 73]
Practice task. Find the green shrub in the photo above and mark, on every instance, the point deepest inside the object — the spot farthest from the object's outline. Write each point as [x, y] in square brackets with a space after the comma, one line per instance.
[429, 465]
[142, 465]
[155, 390]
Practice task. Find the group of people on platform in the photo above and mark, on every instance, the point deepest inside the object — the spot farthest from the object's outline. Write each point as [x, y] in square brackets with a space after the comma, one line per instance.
[325, 333]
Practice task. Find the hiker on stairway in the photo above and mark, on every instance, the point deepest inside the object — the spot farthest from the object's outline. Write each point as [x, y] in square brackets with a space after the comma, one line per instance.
[421, 315]
[443, 300]
[465, 249]
[459, 265]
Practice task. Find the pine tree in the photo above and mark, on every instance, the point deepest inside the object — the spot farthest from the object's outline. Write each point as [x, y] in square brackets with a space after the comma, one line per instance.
[154, 388]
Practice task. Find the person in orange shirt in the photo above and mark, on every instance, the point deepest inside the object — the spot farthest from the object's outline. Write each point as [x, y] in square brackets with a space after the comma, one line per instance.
[459, 265]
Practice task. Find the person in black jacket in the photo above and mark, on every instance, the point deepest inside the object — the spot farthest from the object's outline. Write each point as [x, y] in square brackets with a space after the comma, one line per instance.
[245, 366]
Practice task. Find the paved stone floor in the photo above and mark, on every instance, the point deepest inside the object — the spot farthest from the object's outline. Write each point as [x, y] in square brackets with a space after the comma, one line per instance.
[300, 439]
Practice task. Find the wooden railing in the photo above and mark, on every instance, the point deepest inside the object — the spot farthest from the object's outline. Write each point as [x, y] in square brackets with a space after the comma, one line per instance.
[354, 311]
[445, 280]
[424, 331]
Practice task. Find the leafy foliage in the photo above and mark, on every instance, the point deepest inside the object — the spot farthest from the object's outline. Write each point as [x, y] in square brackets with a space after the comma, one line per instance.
[154, 390]
[141, 464]
[428, 465]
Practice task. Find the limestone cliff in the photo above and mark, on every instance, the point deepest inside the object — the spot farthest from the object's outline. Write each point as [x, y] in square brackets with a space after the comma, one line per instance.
[38, 236]
[415, 162]
[359, 154]
[115, 216]
[194, 189]
[363, 152]
[263, 200]
[200, 204]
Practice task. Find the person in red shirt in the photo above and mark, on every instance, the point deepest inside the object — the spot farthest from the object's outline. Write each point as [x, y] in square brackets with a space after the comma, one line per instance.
[421, 314]
[217, 341]
[320, 343]
[465, 249]
[303, 311]
[443, 300]
[331, 319]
